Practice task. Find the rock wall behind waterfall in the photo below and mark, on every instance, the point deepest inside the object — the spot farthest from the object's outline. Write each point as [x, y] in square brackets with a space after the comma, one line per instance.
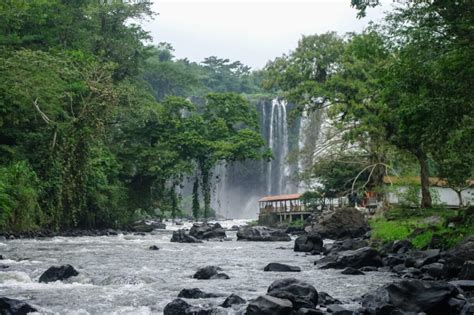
[239, 185]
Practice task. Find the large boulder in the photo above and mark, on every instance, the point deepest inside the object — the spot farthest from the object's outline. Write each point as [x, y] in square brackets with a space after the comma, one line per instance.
[347, 244]
[14, 307]
[207, 231]
[300, 293]
[182, 236]
[209, 272]
[419, 258]
[457, 256]
[55, 273]
[141, 227]
[411, 296]
[262, 233]
[269, 305]
[467, 271]
[342, 223]
[281, 268]
[176, 307]
[233, 299]
[362, 257]
[311, 242]
[196, 293]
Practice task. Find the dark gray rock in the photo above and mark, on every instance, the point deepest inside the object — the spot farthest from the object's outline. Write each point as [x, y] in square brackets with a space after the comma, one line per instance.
[197, 310]
[55, 273]
[411, 296]
[221, 275]
[325, 299]
[281, 268]
[196, 293]
[207, 272]
[153, 247]
[182, 236]
[309, 311]
[206, 231]
[436, 270]
[348, 244]
[312, 242]
[352, 271]
[233, 299]
[176, 307]
[392, 260]
[141, 227]
[420, 258]
[345, 222]
[468, 309]
[366, 256]
[467, 270]
[269, 305]
[158, 225]
[262, 233]
[337, 309]
[465, 285]
[14, 307]
[300, 293]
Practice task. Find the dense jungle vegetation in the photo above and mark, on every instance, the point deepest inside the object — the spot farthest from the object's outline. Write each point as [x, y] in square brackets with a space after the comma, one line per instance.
[98, 127]
[95, 129]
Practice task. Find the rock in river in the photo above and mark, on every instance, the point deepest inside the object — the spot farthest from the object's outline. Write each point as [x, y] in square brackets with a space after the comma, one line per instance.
[269, 305]
[262, 233]
[55, 273]
[366, 256]
[233, 299]
[195, 293]
[311, 242]
[207, 231]
[14, 307]
[176, 307]
[344, 222]
[411, 296]
[300, 293]
[182, 236]
[281, 268]
[209, 272]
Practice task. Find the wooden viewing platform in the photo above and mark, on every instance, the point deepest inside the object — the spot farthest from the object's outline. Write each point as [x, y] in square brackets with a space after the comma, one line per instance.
[284, 207]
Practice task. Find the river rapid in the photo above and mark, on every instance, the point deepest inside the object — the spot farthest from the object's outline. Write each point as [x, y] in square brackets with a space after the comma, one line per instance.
[120, 275]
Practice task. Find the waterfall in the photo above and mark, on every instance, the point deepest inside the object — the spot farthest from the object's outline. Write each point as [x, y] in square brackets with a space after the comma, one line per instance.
[278, 170]
[238, 185]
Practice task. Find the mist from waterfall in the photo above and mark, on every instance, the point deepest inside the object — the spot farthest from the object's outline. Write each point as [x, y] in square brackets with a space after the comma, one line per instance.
[239, 185]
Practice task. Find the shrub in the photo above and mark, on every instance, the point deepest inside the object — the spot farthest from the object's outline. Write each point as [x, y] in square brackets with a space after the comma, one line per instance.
[19, 193]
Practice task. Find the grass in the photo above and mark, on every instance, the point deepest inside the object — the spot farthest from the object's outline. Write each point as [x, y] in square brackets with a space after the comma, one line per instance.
[407, 223]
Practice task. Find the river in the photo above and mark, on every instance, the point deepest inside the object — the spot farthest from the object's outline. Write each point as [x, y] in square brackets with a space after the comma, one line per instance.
[120, 275]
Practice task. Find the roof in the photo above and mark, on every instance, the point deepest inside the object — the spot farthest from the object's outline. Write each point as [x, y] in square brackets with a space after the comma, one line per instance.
[281, 197]
[415, 180]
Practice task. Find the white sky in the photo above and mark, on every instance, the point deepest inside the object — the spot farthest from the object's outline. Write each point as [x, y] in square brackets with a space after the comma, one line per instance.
[250, 31]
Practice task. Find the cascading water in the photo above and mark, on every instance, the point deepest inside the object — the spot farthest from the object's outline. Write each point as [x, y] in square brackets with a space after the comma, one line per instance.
[239, 185]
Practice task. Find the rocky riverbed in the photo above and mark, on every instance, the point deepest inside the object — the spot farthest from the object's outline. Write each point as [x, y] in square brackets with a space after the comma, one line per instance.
[119, 274]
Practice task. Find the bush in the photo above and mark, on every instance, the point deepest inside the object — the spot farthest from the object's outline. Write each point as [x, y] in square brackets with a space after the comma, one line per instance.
[19, 193]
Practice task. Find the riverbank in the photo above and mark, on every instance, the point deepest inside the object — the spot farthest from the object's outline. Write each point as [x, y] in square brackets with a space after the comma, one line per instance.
[425, 228]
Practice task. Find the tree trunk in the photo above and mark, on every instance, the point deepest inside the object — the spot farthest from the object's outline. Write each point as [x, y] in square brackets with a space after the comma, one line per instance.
[425, 181]
[459, 193]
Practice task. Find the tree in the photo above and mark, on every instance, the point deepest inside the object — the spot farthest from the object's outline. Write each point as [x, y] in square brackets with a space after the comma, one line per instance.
[195, 207]
[227, 130]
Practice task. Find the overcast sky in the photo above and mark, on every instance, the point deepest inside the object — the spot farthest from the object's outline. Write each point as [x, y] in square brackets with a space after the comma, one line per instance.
[250, 31]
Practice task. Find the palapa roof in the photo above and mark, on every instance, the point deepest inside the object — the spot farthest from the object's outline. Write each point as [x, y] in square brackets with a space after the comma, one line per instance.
[281, 197]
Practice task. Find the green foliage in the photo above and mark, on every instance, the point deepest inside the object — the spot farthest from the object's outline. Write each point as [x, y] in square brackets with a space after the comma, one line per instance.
[297, 224]
[19, 195]
[195, 206]
[408, 223]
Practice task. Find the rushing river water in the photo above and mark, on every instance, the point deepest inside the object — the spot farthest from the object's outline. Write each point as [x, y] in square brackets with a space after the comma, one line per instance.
[120, 275]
